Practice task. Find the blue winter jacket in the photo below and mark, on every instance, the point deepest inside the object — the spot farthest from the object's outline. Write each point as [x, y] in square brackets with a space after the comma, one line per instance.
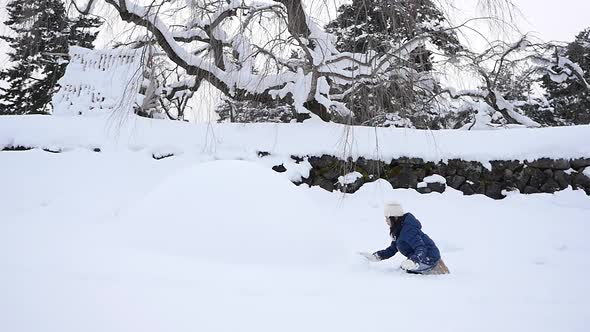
[412, 243]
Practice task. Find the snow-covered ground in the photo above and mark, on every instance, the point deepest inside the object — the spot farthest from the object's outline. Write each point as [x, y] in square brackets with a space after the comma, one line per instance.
[118, 241]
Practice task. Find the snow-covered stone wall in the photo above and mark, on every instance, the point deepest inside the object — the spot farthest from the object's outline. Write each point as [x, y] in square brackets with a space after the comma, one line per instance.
[98, 81]
[542, 175]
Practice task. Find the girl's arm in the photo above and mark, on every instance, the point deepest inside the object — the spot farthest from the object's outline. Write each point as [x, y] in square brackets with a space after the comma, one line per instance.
[387, 252]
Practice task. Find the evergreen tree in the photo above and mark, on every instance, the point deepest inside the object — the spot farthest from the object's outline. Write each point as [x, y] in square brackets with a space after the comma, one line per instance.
[83, 31]
[381, 25]
[378, 24]
[516, 87]
[41, 29]
[569, 101]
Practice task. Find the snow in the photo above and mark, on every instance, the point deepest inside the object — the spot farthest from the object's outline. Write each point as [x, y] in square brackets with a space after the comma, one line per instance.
[587, 171]
[117, 241]
[99, 81]
[117, 132]
[509, 107]
[230, 226]
[569, 171]
[349, 178]
[435, 178]
[573, 67]
[298, 84]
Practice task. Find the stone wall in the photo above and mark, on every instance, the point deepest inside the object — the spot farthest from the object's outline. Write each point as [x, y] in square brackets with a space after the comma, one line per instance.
[471, 177]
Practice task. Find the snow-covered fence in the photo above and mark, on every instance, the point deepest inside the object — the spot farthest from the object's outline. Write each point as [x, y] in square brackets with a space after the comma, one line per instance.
[98, 81]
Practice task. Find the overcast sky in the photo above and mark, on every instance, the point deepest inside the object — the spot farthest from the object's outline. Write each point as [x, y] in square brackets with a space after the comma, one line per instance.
[555, 19]
[550, 19]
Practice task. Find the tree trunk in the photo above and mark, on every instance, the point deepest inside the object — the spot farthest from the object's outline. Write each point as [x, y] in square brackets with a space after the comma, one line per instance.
[296, 18]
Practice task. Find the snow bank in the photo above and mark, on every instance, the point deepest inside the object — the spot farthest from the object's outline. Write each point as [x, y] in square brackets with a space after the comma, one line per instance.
[242, 141]
[251, 215]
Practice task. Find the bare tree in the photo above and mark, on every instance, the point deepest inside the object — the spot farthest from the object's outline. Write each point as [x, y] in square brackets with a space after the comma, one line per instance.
[259, 50]
[273, 50]
[525, 60]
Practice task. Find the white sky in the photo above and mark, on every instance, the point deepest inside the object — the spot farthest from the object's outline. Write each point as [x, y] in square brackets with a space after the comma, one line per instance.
[555, 19]
[549, 19]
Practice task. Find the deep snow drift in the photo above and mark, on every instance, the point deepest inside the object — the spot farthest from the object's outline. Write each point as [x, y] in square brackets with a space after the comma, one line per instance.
[117, 241]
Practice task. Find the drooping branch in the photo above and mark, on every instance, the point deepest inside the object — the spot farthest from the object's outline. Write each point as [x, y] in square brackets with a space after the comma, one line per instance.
[86, 9]
[285, 82]
[228, 55]
[193, 65]
[523, 58]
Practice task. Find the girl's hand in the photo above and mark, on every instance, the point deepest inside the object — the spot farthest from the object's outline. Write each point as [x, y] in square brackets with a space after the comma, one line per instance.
[370, 257]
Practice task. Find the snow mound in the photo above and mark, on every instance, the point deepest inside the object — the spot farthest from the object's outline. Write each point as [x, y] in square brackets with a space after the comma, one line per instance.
[435, 179]
[99, 81]
[349, 178]
[251, 215]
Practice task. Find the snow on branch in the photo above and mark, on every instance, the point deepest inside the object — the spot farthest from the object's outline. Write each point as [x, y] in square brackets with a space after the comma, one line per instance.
[264, 50]
[501, 61]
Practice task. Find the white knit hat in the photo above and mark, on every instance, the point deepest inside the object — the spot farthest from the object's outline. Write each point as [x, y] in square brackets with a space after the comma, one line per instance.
[393, 209]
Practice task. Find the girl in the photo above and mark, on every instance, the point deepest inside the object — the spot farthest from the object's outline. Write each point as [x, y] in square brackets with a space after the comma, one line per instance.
[408, 238]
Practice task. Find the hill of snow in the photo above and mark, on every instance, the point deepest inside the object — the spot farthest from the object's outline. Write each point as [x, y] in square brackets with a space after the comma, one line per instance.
[118, 241]
[234, 212]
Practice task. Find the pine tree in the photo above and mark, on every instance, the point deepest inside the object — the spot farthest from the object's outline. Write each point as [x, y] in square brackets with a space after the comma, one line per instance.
[41, 29]
[569, 100]
[380, 25]
[377, 24]
[83, 31]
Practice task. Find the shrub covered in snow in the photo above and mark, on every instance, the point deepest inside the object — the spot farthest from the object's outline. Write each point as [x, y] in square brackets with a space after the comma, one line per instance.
[568, 100]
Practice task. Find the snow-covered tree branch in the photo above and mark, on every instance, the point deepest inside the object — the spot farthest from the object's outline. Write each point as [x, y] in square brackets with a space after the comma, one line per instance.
[273, 50]
[524, 59]
[227, 44]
